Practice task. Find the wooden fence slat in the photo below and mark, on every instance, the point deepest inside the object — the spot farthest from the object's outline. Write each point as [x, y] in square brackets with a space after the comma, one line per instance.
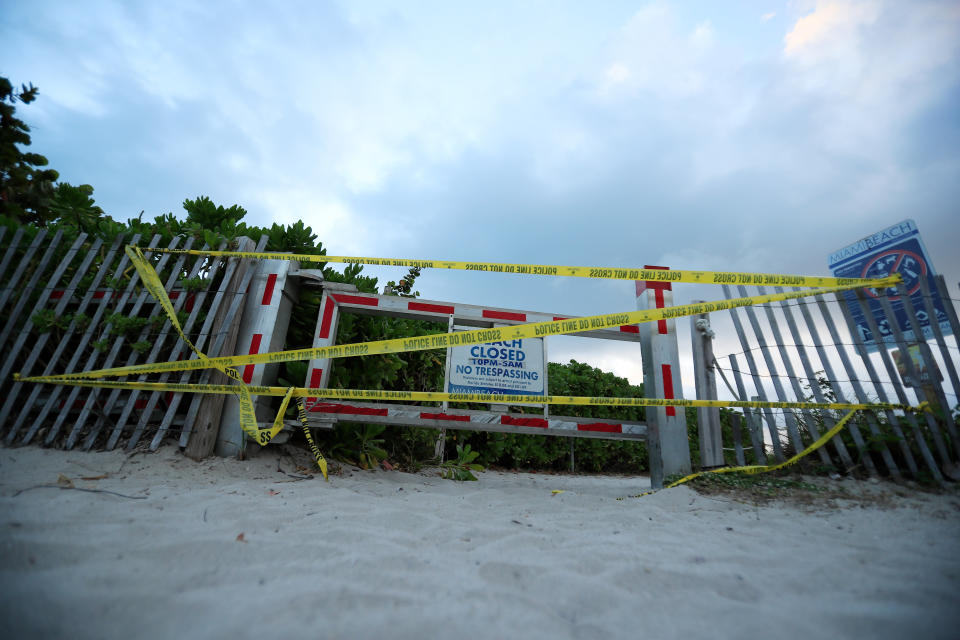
[757, 417]
[831, 376]
[791, 375]
[948, 307]
[811, 374]
[938, 335]
[53, 363]
[93, 395]
[871, 421]
[754, 427]
[793, 429]
[925, 452]
[203, 440]
[179, 348]
[752, 365]
[51, 282]
[710, 430]
[858, 391]
[10, 252]
[17, 277]
[146, 299]
[217, 311]
[934, 384]
[160, 340]
[861, 394]
[892, 418]
[31, 284]
[158, 343]
[939, 445]
[85, 339]
[200, 343]
[735, 424]
[26, 290]
[41, 340]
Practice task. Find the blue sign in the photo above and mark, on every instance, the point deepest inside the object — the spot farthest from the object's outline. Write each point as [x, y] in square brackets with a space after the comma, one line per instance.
[896, 249]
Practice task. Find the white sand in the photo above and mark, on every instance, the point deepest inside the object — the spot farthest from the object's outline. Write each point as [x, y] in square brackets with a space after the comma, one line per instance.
[397, 555]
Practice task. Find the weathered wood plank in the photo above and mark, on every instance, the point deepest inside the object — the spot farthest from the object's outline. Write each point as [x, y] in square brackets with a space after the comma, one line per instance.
[901, 342]
[708, 418]
[180, 347]
[41, 341]
[78, 351]
[903, 345]
[831, 376]
[755, 373]
[17, 278]
[948, 358]
[793, 429]
[877, 445]
[899, 390]
[31, 284]
[166, 332]
[754, 427]
[10, 252]
[841, 351]
[215, 318]
[26, 290]
[42, 297]
[858, 390]
[892, 418]
[811, 374]
[53, 363]
[93, 396]
[948, 306]
[107, 405]
[811, 422]
[735, 427]
[157, 309]
[204, 438]
[934, 385]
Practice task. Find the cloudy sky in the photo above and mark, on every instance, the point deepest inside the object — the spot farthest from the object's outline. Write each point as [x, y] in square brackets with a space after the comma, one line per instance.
[751, 136]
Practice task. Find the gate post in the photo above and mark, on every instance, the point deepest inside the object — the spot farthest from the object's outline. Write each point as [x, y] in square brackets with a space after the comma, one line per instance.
[325, 335]
[263, 329]
[661, 376]
[705, 381]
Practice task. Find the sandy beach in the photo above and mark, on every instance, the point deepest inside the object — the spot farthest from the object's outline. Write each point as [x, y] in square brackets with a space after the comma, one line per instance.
[243, 549]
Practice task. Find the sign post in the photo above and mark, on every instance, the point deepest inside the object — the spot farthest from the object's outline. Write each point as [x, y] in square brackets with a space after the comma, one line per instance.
[896, 249]
[660, 356]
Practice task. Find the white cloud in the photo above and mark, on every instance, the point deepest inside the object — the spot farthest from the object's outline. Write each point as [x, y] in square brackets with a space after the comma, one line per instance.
[616, 73]
[651, 53]
[867, 68]
[581, 131]
[830, 30]
[768, 16]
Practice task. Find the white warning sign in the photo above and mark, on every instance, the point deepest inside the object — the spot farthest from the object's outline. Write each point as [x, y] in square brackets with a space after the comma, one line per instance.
[507, 367]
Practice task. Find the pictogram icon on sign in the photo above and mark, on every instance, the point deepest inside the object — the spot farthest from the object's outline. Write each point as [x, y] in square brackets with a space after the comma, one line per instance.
[908, 264]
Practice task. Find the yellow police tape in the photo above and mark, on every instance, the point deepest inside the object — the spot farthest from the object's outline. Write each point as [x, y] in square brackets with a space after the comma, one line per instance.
[445, 340]
[612, 273]
[321, 461]
[248, 421]
[437, 396]
[822, 440]
[248, 418]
